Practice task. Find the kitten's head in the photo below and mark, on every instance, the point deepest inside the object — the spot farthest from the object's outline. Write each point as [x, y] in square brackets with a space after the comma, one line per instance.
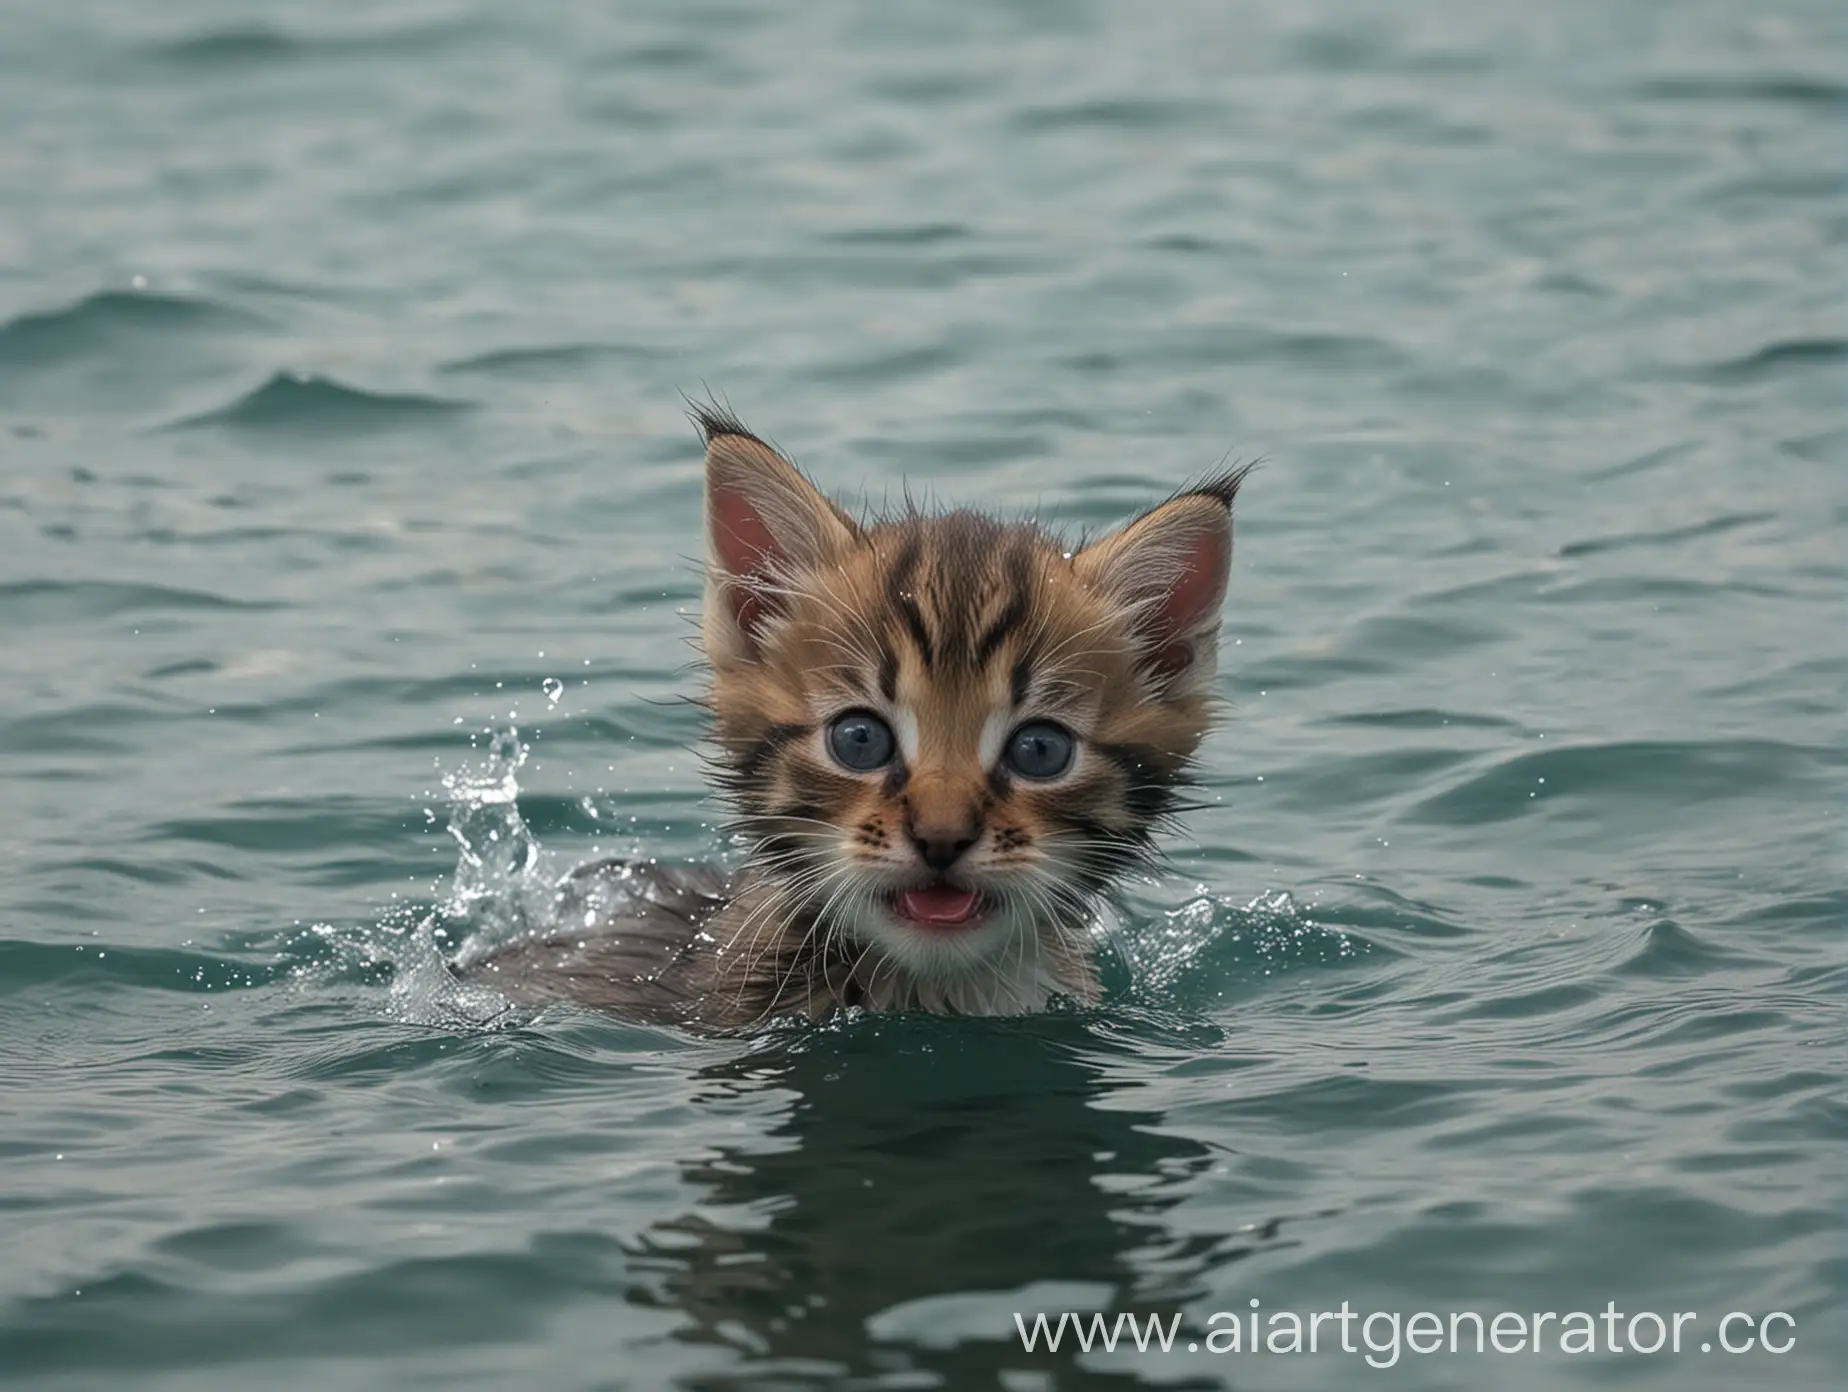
[947, 734]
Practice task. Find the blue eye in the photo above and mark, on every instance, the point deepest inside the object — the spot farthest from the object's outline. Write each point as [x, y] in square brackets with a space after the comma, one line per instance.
[861, 741]
[1040, 750]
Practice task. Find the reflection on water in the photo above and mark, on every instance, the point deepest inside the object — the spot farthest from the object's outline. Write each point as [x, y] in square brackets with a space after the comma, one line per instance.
[904, 1209]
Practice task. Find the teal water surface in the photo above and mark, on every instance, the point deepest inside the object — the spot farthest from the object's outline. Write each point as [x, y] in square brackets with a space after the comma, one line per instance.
[346, 508]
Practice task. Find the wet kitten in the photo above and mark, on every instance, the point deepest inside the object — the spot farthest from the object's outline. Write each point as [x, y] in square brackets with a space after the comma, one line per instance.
[945, 737]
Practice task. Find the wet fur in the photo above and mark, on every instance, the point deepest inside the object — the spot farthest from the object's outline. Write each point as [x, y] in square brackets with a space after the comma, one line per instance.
[955, 628]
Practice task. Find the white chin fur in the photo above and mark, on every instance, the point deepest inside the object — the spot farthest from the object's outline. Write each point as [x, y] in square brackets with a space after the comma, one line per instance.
[996, 968]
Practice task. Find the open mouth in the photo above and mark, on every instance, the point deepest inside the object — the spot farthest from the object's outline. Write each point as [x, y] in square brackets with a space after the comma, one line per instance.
[939, 906]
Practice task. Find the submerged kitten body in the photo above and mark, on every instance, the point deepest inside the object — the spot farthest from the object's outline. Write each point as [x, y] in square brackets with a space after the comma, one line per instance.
[944, 735]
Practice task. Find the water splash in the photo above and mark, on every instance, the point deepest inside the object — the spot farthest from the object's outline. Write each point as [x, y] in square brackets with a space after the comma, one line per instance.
[501, 886]
[1214, 938]
[497, 851]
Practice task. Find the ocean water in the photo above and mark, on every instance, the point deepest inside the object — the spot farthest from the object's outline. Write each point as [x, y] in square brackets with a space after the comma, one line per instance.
[346, 514]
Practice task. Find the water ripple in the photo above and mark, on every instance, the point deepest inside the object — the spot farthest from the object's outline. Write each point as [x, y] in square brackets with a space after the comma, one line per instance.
[114, 320]
[300, 403]
[1778, 357]
[1675, 773]
[63, 602]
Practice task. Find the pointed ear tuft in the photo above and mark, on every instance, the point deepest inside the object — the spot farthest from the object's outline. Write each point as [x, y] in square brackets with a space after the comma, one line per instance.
[713, 420]
[766, 526]
[1169, 568]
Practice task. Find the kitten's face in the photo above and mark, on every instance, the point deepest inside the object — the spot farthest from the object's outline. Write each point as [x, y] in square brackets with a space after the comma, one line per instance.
[948, 734]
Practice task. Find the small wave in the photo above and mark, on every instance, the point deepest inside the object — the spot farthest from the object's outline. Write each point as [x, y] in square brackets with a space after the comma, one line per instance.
[289, 826]
[110, 318]
[64, 602]
[1235, 344]
[237, 46]
[1420, 718]
[1361, 780]
[1379, 914]
[293, 401]
[145, 1316]
[30, 967]
[1344, 49]
[907, 235]
[1627, 589]
[1670, 536]
[259, 44]
[1777, 357]
[541, 360]
[1210, 943]
[1794, 90]
[860, 369]
[1678, 772]
[1393, 640]
[1666, 948]
[1119, 114]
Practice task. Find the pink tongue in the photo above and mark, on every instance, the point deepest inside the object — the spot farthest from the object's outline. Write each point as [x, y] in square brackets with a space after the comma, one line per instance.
[940, 906]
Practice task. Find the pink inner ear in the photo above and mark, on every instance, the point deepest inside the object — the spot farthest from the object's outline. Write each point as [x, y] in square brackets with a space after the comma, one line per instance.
[743, 546]
[1196, 596]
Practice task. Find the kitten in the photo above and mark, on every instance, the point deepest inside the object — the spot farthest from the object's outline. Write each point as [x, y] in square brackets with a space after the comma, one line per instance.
[945, 737]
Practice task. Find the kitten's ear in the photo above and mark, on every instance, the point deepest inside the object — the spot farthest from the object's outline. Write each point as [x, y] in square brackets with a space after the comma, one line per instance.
[765, 526]
[1169, 568]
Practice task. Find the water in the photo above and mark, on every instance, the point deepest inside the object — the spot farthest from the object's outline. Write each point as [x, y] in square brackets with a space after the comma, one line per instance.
[345, 498]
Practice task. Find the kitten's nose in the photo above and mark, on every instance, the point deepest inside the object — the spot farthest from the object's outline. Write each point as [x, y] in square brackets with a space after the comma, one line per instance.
[941, 822]
[940, 852]
[942, 818]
